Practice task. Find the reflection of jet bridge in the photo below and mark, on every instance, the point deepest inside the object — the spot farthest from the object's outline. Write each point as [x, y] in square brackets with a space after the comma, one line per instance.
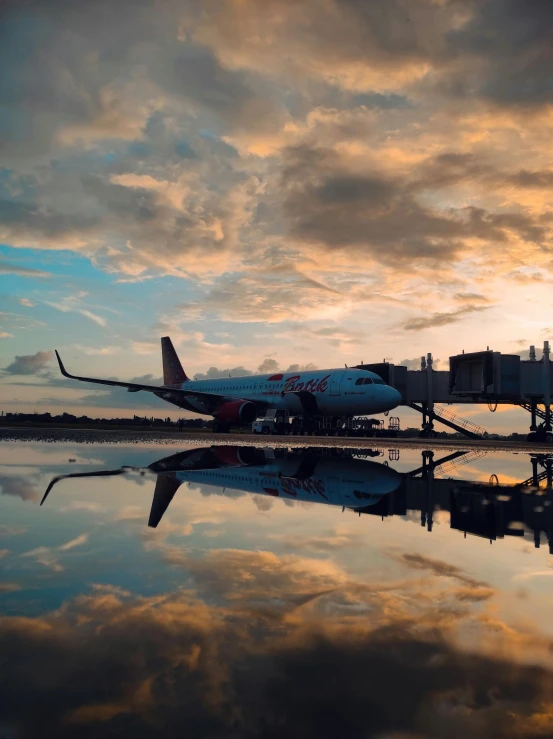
[489, 510]
[486, 377]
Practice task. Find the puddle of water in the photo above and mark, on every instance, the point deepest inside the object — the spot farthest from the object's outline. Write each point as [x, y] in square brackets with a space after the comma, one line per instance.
[250, 591]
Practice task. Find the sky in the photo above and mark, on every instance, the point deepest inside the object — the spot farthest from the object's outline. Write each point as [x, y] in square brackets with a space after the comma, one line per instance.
[307, 182]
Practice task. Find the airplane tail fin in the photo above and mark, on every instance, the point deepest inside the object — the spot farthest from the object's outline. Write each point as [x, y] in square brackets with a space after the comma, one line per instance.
[173, 373]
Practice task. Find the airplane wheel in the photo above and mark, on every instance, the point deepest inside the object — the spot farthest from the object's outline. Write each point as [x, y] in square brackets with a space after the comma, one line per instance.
[549, 437]
[216, 427]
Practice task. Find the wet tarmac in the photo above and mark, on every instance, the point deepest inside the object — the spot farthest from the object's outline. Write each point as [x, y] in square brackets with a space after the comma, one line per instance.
[145, 436]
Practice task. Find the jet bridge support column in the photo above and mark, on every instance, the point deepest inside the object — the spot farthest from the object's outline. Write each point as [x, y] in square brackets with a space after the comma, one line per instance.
[428, 404]
[547, 385]
[427, 510]
[533, 423]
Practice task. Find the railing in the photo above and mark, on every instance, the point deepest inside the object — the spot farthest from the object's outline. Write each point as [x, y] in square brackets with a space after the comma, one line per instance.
[448, 415]
[471, 456]
[539, 412]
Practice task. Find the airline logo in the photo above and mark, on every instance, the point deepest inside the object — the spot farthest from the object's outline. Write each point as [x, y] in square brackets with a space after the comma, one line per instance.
[310, 386]
[292, 385]
[291, 485]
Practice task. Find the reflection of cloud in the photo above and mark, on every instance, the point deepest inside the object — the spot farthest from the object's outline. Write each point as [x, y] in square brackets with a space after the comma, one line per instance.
[438, 567]
[26, 487]
[129, 513]
[48, 556]
[6, 530]
[9, 587]
[79, 505]
[329, 541]
[77, 542]
[263, 502]
[277, 643]
[45, 556]
[531, 575]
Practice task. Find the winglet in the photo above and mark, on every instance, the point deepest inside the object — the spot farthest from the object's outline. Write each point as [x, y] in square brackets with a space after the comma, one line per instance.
[64, 372]
[50, 486]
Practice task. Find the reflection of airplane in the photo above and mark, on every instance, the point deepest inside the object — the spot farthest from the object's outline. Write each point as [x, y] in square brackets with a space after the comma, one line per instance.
[297, 474]
[240, 400]
[342, 478]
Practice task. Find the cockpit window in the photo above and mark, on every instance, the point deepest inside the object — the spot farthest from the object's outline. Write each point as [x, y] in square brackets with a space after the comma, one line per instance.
[368, 381]
[360, 381]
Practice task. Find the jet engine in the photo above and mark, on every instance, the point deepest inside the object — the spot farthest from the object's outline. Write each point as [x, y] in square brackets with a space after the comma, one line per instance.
[236, 412]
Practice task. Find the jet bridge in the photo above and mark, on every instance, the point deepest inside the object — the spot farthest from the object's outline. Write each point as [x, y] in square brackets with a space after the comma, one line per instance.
[487, 378]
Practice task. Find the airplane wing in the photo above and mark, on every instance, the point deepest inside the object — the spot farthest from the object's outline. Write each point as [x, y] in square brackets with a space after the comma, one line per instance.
[210, 399]
[101, 473]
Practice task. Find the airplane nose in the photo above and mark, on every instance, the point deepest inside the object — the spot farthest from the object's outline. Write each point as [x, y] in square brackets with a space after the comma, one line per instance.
[393, 396]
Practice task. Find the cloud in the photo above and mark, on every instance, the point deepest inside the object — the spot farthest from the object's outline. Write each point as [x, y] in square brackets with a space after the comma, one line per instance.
[30, 364]
[411, 364]
[14, 269]
[441, 319]
[114, 397]
[330, 202]
[272, 295]
[309, 367]
[471, 298]
[213, 373]
[519, 42]
[26, 302]
[73, 304]
[258, 153]
[97, 351]
[267, 366]
[5, 335]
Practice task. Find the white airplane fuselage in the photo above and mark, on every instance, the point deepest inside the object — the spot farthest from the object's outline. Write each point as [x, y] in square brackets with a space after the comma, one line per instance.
[336, 392]
[240, 400]
[351, 483]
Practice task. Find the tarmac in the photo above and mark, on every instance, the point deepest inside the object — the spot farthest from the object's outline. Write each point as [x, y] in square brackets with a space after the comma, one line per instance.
[207, 438]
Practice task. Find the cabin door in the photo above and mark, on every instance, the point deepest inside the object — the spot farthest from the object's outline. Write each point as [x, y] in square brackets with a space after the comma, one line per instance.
[335, 382]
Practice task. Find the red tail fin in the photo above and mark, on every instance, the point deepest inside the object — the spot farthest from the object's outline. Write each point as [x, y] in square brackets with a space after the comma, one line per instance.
[173, 373]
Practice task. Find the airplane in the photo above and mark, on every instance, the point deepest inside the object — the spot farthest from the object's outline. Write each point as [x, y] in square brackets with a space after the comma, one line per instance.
[342, 480]
[238, 401]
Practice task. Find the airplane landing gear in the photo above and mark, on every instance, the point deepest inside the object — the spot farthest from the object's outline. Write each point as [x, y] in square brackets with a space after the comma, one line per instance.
[220, 428]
